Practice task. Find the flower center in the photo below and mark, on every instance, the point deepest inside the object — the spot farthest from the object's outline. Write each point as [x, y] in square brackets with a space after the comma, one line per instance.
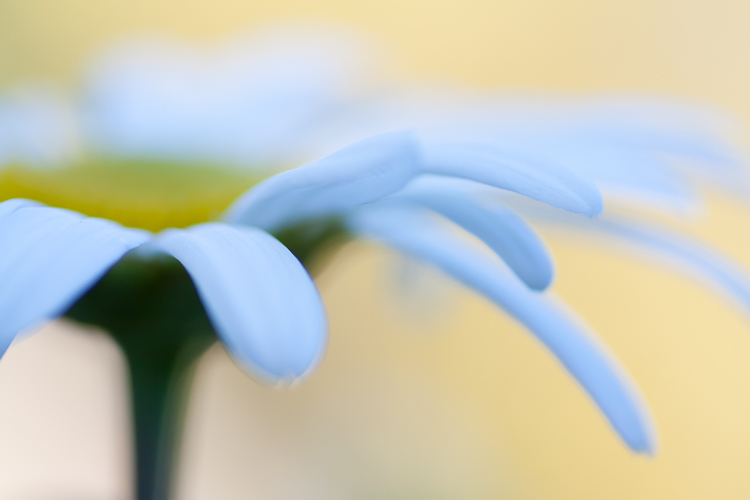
[152, 195]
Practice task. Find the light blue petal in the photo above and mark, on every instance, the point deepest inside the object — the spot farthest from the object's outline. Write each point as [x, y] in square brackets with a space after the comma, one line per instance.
[499, 228]
[677, 128]
[680, 251]
[543, 180]
[9, 206]
[251, 101]
[639, 173]
[641, 177]
[263, 304]
[712, 265]
[357, 174]
[701, 136]
[48, 258]
[38, 127]
[580, 353]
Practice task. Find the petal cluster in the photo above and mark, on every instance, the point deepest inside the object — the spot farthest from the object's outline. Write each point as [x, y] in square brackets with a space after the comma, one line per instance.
[586, 359]
[261, 301]
[448, 170]
[265, 307]
[642, 153]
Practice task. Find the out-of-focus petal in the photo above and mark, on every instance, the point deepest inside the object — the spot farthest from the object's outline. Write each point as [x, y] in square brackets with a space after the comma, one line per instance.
[357, 174]
[637, 177]
[50, 257]
[680, 128]
[540, 179]
[507, 234]
[676, 250]
[38, 127]
[263, 304]
[252, 100]
[579, 352]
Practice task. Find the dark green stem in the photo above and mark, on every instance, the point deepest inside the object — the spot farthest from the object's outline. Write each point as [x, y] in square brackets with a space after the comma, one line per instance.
[159, 394]
[151, 309]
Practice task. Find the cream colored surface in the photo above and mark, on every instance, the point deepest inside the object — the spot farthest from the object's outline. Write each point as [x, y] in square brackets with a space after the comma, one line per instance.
[466, 404]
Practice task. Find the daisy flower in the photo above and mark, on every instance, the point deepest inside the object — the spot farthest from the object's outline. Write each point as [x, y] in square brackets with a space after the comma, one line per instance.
[159, 235]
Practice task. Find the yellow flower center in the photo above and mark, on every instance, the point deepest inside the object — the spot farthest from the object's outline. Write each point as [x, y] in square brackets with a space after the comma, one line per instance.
[151, 195]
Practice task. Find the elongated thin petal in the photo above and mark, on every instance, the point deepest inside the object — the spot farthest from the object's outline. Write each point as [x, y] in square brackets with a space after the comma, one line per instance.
[499, 228]
[542, 180]
[48, 258]
[680, 251]
[676, 127]
[719, 269]
[260, 299]
[252, 101]
[638, 176]
[357, 174]
[584, 357]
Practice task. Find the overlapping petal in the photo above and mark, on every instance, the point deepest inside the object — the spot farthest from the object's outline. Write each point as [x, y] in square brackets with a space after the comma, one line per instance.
[710, 264]
[585, 358]
[538, 178]
[680, 251]
[634, 138]
[49, 257]
[358, 174]
[507, 234]
[384, 164]
[262, 302]
[248, 100]
[635, 176]
[678, 128]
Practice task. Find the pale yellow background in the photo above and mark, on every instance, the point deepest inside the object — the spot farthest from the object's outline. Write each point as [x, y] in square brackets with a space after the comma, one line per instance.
[457, 404]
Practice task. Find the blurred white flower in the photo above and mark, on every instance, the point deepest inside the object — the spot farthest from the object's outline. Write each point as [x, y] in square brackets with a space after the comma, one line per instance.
[38, 127]
[249, 100]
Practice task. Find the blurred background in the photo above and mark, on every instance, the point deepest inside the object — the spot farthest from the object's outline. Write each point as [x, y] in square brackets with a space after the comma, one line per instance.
[422, 402]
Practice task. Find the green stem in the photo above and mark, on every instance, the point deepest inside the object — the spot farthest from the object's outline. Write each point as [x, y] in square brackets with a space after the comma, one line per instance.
[159, 389]
[152, 310]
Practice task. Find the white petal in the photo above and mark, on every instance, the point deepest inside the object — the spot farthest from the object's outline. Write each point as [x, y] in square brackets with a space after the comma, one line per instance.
[499, 228]
[543, 180]
[357, 174]
[38, 127]
[640, 177]
[718, 269]
[668, 248]
[50, 257]
[585, 358]
[9, 206]
[263, 304]
[252, 101]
